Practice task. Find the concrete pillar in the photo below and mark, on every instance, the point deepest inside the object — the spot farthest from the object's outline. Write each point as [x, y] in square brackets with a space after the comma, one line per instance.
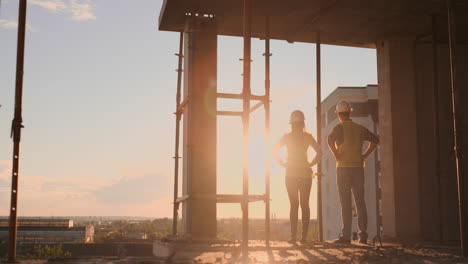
[437, 223]
[199, 131]
[398, 133]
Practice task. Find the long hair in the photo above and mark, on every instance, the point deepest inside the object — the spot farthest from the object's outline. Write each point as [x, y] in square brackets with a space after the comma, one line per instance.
[298, 126]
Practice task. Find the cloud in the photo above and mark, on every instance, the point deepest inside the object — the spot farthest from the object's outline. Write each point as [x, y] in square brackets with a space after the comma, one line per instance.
[55, 6]
[81, 10]
[131, 195]
[134, 190]
[78, 10]
[5, 169]
[8, 24]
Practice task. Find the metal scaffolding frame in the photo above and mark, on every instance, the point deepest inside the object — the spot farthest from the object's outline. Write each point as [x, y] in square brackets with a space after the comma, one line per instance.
[262, 100]
[318, 57]
[247, 109]
[178, 113]
[246, 96]
[16, 126]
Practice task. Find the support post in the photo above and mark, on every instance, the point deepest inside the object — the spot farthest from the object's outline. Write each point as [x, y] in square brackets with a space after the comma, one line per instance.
[199, 128]
[378, 194]
[178, 114]
[435, 117]
[457, 128]
[246, 125]
[16, 127]
[267, 129]
[319, 138]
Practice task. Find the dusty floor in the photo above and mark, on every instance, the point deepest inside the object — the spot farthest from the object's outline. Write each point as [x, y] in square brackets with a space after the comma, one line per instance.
[282, 252]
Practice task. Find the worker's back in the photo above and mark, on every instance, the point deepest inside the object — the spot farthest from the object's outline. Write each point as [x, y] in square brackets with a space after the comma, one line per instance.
[350, 145]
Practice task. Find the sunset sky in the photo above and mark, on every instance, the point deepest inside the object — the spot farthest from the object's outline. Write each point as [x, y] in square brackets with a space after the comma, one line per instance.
[99, 93]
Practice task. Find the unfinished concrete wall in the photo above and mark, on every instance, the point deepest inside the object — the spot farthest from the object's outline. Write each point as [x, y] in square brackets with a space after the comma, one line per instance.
[398, 133]
[417, 203]
[439, 206]
[463, 81]
[199, 140]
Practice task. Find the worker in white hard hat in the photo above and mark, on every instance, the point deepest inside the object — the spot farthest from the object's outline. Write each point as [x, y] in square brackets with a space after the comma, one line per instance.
[298, 171]
[346, 142]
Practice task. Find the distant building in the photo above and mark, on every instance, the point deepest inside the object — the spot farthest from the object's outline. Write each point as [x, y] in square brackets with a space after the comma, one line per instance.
[47, 230]
[139, 235]
[39, 221]
[365, 105]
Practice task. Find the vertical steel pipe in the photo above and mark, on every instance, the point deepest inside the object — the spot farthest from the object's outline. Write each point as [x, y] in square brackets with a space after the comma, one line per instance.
[457, 127]
[378, 235]
[177, 135]
[319, 137]
[16, 127]
[267, 129]
[435, 117]
[246, 92]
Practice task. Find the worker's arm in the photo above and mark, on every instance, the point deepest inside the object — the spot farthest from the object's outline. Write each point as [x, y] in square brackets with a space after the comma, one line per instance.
[276, 150]
[373, 140]
[369, 150]
[318, 151]
[331, 139]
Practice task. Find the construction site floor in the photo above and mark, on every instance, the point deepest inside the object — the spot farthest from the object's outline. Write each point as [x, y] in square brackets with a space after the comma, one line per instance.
[283, 252]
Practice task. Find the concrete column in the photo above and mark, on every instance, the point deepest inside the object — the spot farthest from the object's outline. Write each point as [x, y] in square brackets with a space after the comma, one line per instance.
[398, 133]
[199, 131]
[436, 222]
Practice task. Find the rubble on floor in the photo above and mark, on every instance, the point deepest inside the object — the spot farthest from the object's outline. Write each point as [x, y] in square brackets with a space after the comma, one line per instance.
[282, 252]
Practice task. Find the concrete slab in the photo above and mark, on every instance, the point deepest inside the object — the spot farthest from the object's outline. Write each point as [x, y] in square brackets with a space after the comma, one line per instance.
[282, 252]
[350, 23]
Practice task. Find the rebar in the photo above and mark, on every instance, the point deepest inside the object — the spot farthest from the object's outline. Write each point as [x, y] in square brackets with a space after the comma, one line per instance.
[457, 127]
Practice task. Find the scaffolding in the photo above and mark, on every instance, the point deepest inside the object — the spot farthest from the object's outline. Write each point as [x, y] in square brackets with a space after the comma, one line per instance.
[246, 96]
[16, 126]
[247, 109]
[456, 94]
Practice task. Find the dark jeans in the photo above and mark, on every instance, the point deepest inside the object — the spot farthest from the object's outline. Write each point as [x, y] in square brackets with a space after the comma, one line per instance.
[352, 179]
[299, 192]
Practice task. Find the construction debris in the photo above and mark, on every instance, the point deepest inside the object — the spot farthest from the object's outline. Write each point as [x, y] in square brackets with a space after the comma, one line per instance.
[283, 252]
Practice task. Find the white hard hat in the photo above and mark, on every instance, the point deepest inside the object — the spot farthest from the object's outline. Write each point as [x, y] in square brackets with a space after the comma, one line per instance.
[297, 116]
[343, 106]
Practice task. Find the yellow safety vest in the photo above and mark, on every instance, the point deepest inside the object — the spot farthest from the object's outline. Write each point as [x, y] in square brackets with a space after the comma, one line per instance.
[351, 148]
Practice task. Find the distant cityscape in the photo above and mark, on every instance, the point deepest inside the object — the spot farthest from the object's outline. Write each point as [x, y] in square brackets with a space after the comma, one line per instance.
[115, 229]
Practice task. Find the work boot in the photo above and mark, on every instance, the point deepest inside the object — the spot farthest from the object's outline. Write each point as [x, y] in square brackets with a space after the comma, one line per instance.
[304, 238]
[363, 238]
[342, 240]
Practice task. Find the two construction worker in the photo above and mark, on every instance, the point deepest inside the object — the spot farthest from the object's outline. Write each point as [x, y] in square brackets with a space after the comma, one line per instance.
[346, 143]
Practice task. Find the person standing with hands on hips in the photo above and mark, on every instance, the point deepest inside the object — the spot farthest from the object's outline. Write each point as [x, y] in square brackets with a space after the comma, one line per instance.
[346, 143]
[298, 171]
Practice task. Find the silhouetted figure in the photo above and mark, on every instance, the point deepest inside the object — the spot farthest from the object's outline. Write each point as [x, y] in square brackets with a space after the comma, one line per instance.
[346, 142]
[298, 171]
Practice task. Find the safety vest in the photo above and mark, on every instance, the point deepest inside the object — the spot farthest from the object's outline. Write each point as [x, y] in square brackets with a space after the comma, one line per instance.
[351, 148]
